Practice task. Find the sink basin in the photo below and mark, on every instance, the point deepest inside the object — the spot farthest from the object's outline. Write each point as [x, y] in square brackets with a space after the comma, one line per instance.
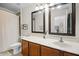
[62, 44]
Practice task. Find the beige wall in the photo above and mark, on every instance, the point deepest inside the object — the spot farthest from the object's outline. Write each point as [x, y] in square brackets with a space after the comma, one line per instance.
[26, 19]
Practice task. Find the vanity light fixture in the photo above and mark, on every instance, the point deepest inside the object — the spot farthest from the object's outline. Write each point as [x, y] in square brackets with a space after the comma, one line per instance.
[36, 8]
[41, 6]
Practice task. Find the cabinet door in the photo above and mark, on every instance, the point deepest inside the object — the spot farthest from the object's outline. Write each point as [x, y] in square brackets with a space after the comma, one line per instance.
[25, 47]
[69, 54]
[45, 51]
[34, 49]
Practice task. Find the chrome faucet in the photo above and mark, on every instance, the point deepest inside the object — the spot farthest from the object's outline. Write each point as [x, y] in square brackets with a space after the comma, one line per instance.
[61, 40]
[45, 35]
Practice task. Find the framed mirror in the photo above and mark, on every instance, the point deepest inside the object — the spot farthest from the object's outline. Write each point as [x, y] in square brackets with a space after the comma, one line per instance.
[62, 19]
[38, 21]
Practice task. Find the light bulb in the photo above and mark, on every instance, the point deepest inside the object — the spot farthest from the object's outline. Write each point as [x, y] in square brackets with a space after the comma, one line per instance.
[41, 7]
[46, 6]
[51, 4]
[36, 8]
[59, 6]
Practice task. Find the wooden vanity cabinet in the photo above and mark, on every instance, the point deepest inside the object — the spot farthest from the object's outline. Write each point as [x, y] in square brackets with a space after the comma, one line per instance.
[34, 49]
[25, 48]
[46, 51]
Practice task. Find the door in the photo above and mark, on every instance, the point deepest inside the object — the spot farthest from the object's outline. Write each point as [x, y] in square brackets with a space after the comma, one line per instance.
[34, 49]
[25, 48]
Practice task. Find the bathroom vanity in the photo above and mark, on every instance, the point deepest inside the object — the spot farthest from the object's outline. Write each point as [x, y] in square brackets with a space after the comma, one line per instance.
[32, 46]
[61, 22]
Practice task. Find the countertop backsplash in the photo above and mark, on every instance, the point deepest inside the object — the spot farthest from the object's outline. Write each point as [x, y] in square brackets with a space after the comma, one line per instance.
[57, 37]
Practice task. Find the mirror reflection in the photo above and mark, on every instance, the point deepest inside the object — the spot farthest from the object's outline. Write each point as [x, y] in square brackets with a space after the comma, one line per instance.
[61, 18]
[38, 21]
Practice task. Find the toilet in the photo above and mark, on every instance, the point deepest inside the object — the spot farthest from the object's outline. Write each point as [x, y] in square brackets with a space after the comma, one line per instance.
[15, 48]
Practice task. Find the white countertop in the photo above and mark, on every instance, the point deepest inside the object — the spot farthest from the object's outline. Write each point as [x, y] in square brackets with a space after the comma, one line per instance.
[68, 46]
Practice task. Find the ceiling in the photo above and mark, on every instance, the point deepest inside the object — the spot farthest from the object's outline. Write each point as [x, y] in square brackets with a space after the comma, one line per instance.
[15, 7]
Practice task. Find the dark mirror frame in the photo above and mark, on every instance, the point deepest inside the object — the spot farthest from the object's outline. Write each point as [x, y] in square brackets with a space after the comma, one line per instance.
[73, 22]
[43, 21]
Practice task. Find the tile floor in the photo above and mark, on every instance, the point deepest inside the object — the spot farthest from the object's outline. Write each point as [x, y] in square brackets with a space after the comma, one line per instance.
[8, 53]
